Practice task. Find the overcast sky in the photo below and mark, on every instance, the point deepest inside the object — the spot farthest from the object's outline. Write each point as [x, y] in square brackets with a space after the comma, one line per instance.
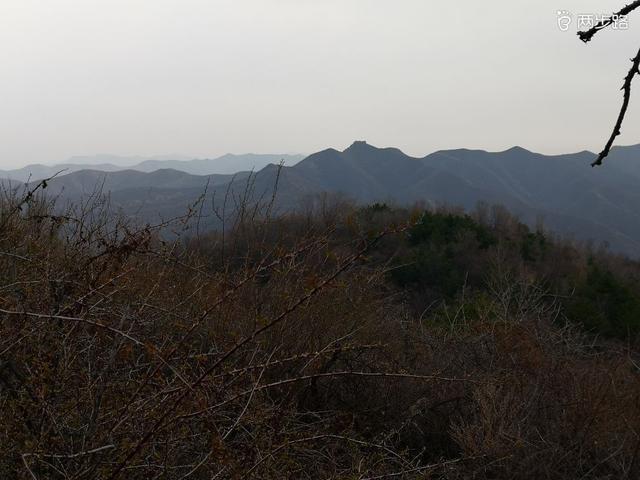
[206, 77]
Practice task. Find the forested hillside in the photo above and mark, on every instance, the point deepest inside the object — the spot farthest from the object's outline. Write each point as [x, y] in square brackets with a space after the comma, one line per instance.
[337, 342]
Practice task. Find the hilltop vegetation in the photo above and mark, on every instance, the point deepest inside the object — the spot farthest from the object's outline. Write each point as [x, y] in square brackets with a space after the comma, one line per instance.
[339, 342]
[451, 254]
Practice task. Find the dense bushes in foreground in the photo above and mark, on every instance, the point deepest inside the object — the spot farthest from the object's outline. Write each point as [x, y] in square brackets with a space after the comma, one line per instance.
[340, 343]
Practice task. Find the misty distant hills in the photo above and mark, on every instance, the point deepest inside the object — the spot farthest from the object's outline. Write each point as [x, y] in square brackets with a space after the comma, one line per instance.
[227, 164]
[119, 160]
[573, 199]
[224, 165]
[148, 196]
[35, 172]
[86, 182]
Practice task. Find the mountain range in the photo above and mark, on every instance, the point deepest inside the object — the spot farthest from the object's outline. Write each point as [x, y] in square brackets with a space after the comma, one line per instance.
[600, 204]
[226, 164]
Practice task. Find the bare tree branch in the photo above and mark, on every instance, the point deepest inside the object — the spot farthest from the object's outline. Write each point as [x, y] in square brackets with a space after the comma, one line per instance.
[587, 35]
[617, 129]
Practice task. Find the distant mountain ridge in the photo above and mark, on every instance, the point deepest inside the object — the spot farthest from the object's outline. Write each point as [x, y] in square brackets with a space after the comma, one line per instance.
[600, 204]
[120, 160]
[224, 165]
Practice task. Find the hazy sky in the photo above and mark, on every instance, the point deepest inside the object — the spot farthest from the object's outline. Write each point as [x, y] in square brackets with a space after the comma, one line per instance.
[206, 77]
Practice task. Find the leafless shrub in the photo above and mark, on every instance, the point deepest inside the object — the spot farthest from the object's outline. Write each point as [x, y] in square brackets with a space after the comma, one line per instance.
[280, 351]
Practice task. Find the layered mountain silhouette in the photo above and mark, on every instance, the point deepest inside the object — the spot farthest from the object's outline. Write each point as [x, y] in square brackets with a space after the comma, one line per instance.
[573, 199]
[224, 165]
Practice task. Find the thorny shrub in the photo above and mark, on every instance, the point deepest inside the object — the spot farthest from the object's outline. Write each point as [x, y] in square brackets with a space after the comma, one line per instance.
[281, 349]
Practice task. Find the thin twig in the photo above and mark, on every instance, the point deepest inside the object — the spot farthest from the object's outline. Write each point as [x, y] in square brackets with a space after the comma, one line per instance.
[71, 455]
[320, 437]
[287, 381]
[259, 331]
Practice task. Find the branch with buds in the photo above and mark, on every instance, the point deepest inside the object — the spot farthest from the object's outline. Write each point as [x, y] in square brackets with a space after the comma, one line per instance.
[586, 36]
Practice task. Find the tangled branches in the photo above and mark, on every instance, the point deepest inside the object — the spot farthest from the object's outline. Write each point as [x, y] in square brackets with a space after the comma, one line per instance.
[284, 353]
